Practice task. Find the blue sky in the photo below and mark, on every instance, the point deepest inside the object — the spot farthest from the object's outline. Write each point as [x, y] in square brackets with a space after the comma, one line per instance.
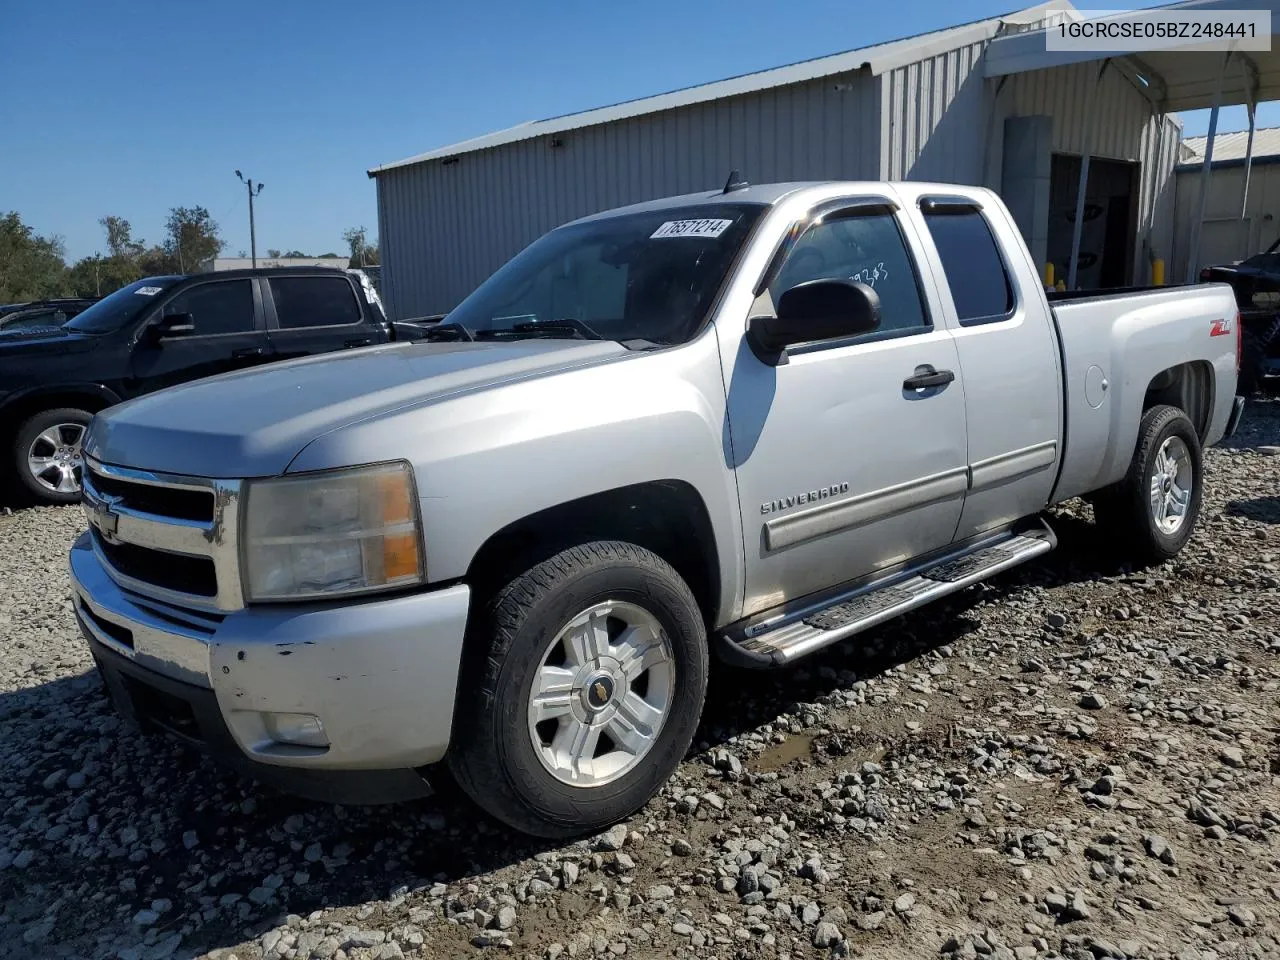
[130, 109]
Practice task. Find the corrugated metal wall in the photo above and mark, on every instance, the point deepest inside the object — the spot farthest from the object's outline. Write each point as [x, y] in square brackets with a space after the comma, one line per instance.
[933, 125]
[444, 227]
[1224, 236]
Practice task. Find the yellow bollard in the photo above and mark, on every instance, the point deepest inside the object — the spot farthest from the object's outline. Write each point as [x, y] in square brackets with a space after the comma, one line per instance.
[1048, 274]
[1157, 272]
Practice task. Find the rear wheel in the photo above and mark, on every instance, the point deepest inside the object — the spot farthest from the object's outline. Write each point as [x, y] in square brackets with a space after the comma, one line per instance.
[1154, 509]
[589, 671]
[47, 456]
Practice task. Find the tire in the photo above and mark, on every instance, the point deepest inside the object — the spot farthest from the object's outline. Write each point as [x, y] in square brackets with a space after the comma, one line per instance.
[59, 482]
[1129, 510]
[515, 643]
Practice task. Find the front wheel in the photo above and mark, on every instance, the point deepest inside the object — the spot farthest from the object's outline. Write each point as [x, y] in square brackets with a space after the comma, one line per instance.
[1154, 509]
[47, 457]
[589, 673]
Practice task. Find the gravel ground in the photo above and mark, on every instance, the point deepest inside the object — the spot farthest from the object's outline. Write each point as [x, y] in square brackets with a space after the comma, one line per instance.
[1076, 760]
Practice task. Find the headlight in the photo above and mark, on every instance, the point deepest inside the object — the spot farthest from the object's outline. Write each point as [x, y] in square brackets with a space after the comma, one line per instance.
[332, 533]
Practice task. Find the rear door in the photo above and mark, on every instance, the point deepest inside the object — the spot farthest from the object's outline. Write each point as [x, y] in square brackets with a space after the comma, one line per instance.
[229, 335]
[310, 313]
[1008, 352]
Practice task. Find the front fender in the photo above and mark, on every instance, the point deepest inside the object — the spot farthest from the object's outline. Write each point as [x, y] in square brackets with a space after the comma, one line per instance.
[488, 459]
[66, 391]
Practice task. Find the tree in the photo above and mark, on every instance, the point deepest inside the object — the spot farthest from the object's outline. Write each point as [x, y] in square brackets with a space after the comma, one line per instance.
[120, 237]
[191, 237]
[31, 266]
[362, 254]
[297, 253]
[273, 254]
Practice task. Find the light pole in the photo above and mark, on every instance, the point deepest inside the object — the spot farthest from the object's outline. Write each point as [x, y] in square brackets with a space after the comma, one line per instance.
[253, 192]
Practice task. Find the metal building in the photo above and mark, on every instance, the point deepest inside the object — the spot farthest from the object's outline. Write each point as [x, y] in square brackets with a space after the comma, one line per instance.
[924, 108]
[1237, 222]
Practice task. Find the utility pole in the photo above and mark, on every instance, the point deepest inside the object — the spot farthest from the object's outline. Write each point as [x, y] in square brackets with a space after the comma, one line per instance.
[253, 192]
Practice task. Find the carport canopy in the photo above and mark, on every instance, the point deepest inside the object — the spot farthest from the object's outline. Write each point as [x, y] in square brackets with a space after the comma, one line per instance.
[1189, 77]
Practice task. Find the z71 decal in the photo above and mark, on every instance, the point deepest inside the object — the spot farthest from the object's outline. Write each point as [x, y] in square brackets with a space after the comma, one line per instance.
[1220, 328]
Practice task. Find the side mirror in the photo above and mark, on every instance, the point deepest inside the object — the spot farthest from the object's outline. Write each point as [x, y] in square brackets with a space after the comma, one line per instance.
[814, 310]
[172, 325]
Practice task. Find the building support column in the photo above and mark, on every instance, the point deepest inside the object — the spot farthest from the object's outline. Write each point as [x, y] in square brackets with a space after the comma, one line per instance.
[1193, 255]
[1077, 228]
[1248, 159]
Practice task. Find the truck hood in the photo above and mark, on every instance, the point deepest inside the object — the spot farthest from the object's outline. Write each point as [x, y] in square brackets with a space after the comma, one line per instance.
[30, 341]
[252, 423]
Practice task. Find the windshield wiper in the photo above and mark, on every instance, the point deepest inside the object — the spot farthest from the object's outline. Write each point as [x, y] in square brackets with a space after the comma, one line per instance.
[571, 326]
[450, 330]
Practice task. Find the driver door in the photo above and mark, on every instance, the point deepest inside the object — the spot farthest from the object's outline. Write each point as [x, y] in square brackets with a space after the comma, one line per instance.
[842, 468]
[229, 334]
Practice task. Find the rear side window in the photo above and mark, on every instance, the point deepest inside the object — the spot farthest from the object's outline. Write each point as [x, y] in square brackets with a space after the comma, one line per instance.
[866, 248]
[314, 302]
[975, 270]
[224, 307]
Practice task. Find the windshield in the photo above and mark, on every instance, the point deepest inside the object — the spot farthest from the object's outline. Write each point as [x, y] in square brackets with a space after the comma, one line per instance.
[642, 276]
[113, 312]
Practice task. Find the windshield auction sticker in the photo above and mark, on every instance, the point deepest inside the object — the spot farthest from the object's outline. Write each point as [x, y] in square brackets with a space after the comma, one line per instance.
[147, 291]
[691, 228]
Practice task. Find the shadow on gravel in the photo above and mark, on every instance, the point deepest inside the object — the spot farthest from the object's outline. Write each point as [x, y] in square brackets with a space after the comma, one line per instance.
[154, 819]
[1261, 509]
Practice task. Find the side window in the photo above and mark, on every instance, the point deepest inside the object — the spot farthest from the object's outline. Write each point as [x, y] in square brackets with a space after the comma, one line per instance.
[975, 271]
[869, 249]
[222, 307]
[314, 302]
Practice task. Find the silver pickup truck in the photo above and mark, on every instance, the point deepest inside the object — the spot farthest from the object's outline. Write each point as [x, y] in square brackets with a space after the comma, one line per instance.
[752, 422]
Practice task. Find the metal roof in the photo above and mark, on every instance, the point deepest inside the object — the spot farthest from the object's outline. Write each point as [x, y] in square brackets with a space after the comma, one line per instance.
[1231, 146]
[1172, 79]
[874, 59]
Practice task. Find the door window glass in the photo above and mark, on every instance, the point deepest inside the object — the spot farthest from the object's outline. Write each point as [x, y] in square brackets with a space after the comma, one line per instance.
[314, 302]
[975, 270]
[222, 307]
[869, 249]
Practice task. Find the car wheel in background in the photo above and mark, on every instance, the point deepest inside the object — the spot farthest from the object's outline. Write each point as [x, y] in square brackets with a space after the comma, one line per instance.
[46, 454]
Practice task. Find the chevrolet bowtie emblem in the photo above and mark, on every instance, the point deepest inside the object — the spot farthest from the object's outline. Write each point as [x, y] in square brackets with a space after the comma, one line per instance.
[601, 692]
[101, 513]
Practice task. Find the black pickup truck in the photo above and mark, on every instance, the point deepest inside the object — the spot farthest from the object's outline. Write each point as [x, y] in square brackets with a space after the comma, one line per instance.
[1256, 282]
[155, 333]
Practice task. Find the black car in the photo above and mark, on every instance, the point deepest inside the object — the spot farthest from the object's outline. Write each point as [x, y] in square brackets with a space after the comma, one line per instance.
[1256, 282]
[155, 333]
[42, 313]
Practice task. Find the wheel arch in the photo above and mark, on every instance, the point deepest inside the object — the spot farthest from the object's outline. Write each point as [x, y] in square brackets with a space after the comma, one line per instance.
[90, 397]
[668, 517]
[1187, 386]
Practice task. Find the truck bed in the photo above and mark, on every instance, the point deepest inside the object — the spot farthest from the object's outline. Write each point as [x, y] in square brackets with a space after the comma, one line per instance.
[1122, 345]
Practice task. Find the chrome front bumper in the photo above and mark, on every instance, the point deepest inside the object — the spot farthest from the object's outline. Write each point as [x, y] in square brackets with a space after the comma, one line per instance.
[381, 675]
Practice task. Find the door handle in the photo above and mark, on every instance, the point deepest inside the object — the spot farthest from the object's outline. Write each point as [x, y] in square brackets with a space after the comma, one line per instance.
[928, 377]
[247, 352]
[362, 342]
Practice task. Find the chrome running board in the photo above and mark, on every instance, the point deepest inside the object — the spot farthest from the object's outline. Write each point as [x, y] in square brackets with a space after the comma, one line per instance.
[780, 637]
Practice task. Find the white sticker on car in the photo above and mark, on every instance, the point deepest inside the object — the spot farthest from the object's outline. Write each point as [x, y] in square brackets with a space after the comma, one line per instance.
[691, 228]
[148, 291]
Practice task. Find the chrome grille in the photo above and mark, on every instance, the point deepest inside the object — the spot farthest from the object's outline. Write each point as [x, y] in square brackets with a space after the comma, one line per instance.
[168, 537]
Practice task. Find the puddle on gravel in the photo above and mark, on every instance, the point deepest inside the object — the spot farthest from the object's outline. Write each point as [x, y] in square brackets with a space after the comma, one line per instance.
[796, 747]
